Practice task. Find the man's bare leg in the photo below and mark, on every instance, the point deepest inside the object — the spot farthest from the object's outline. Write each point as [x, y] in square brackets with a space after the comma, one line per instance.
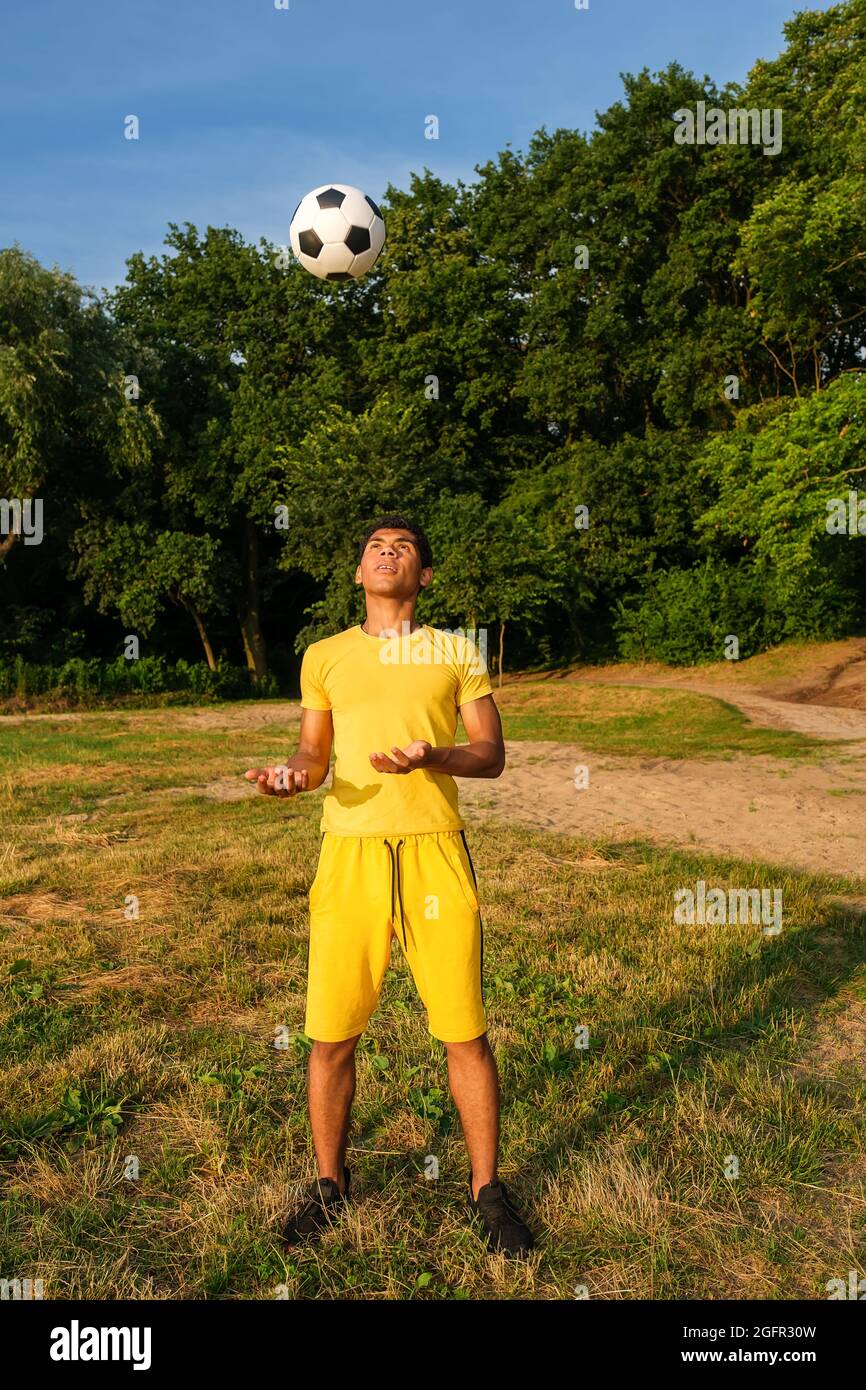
[330, 1092]
[474, 1083]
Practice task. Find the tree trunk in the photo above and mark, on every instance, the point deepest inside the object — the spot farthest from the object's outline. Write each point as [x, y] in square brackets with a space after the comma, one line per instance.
[202, 632]
[249, 610]
[501, 650]
[7, 543]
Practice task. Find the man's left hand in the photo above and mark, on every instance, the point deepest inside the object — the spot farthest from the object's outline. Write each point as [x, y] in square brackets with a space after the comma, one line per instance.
[417, 754]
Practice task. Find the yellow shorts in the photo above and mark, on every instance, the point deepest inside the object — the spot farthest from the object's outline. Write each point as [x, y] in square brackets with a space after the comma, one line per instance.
[419, 888]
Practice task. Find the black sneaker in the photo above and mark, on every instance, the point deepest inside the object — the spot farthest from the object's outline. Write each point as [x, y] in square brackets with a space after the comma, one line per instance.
[503, 1225]
[324, 1202]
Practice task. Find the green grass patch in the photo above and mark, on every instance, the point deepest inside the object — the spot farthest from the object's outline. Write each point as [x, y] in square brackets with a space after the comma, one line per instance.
[645, 722]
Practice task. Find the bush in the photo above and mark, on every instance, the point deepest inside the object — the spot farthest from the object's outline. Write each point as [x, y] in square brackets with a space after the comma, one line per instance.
[82, 680]
[79, 676]
[684, 616]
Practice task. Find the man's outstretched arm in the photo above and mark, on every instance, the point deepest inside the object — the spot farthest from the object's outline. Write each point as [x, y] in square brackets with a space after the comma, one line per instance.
[483, 756]
[308, 768]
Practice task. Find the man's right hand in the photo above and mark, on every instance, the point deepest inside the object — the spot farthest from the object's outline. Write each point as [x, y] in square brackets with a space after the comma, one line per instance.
[279, 781]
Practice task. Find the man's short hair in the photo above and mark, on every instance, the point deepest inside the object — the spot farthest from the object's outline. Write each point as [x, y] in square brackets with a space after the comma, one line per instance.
[399, 523]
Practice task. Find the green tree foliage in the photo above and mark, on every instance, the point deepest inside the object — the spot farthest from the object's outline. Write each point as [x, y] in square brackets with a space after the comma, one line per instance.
[784, 488]
[239, 350]
[802, 249]
[65, 430]
[667, 335]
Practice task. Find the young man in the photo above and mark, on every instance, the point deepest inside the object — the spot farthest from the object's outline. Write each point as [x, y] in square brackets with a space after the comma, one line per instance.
[394, 861]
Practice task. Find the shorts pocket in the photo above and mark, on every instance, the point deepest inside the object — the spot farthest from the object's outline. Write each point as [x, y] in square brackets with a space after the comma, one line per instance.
[323, 872]
[463, 869]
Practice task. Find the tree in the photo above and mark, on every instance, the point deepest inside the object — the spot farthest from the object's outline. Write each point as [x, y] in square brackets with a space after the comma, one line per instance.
[783, 481]
[63, 421]
[130, 568]
[231, 338]
[802, 249]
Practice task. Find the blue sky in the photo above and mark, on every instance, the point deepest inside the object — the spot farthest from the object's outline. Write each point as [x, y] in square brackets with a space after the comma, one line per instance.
[244, 107]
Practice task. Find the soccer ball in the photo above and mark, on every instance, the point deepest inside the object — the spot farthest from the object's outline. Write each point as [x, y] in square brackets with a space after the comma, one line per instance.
[337, 232]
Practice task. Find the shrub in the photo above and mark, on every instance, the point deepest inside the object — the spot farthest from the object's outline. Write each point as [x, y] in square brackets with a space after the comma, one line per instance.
[84, 680]
[684, 616]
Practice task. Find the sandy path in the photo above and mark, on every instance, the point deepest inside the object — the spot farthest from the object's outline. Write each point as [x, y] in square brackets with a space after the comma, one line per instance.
[810, 816]
[245, 714]
[776, 811]
[818, 721]
[815, 720]
[779, 811]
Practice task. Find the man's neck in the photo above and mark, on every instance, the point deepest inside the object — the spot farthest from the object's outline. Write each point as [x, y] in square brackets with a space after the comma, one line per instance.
[390, 617]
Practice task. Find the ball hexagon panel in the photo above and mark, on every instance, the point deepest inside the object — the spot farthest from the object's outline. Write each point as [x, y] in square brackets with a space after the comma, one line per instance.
[363, 262]
[377, 235]
[334, 256]
[331, 225]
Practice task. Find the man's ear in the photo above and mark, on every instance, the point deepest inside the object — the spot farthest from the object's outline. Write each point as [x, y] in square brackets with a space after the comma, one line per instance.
[424, 578]
[358, 575]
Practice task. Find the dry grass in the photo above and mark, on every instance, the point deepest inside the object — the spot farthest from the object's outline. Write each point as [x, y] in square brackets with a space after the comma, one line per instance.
[150, 1037]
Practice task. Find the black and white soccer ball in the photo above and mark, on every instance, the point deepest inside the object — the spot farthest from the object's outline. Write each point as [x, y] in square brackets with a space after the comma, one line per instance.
[337, 232]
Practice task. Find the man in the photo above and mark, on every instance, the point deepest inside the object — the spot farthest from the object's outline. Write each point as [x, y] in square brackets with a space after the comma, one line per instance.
[394, 861]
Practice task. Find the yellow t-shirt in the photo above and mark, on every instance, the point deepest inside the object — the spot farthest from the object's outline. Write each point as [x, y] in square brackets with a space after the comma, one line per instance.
[383, 691]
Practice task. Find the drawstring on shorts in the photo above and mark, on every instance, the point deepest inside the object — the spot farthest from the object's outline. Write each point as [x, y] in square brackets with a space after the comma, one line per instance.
[394, 855]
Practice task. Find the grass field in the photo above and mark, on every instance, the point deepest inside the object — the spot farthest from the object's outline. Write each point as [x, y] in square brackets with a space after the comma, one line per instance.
[645, 722]
[152, 1037]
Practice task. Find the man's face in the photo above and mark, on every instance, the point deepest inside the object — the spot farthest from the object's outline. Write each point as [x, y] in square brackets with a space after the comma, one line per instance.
[391, 565]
